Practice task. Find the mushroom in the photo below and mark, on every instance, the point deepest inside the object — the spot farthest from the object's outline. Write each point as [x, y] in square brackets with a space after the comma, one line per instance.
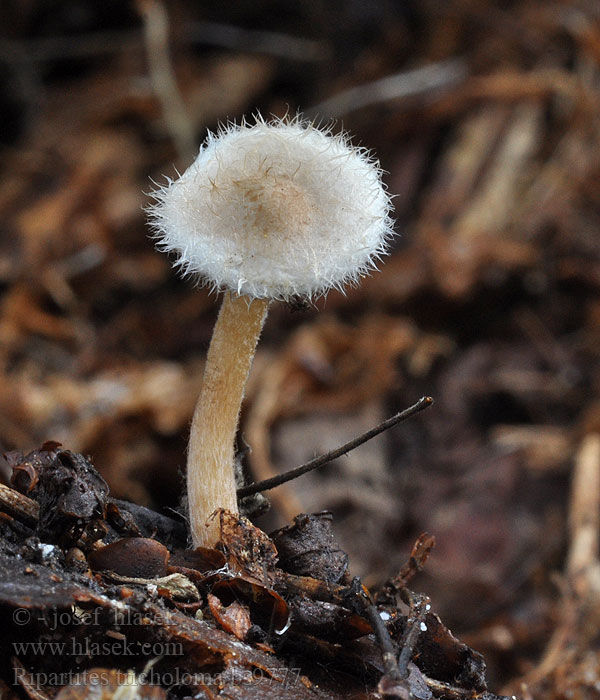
[268, 211]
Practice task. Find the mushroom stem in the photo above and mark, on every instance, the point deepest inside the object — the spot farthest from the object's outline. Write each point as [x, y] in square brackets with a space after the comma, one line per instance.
[210, 473]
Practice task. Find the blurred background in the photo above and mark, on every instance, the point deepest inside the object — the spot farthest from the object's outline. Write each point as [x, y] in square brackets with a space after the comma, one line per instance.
[484, 113]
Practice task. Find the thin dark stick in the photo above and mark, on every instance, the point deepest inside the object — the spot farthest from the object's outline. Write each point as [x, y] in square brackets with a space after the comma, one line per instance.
[267, 484]
[418, 611]
[388, 650]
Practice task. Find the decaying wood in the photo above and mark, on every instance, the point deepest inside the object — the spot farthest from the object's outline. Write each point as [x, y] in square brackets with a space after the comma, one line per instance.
[15, 503]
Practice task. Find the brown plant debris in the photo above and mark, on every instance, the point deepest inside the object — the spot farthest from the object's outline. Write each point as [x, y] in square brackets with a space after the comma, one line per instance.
[238, 621]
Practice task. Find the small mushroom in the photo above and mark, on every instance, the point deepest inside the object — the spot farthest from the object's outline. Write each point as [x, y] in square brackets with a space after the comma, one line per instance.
[270, 211]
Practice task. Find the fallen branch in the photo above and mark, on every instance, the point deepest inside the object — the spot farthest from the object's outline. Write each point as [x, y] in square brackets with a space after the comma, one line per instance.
[164, 82]
[317, 462]
[18, 505]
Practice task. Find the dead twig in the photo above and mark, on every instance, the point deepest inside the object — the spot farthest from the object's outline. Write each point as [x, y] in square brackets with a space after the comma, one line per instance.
[447, 691]
[164, 82]
[584, 518]
[102, 43]
[18, 505]
[516, 86]
[418, 81]
[388, 650]
[419, 607]
[571, 638]
[317, 462]
[418, 556]
[293, 48]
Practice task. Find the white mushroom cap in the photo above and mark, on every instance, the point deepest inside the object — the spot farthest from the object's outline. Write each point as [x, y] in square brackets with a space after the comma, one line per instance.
[275, 210]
